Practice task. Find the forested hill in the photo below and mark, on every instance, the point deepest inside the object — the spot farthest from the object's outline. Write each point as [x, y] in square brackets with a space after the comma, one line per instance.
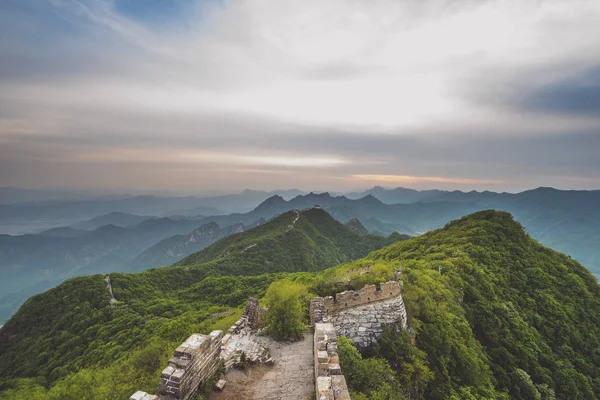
[308, 240]
[120, 348]
[497, 314]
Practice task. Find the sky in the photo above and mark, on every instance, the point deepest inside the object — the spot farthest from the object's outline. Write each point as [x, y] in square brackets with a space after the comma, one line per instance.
[198, 96]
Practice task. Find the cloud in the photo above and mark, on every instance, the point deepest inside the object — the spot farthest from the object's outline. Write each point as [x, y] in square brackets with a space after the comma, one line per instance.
[577, 95]
[480, 94]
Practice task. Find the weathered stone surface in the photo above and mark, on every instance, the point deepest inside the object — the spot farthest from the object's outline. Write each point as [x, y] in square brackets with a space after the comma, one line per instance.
[290, 378]
[194, 360]
[327, 363]
[339, 387]
[358, 315]
[252, 312]
[323, 388]
[220, 384]
[363, 324]
[139, 395]
[199, 356]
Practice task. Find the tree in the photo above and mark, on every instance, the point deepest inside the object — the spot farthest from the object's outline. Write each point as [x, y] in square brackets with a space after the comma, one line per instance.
[285, 316]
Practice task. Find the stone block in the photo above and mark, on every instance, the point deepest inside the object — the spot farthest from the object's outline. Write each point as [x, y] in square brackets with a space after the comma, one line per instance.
[339, 387]
[226, 339]
[220, 384]
[168, 371]
[332, 348]
[334, 369]
[139, 395]
[324, 390]
[322, 356]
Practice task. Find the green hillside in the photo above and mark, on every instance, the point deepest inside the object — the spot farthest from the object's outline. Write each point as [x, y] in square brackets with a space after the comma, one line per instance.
[71, 333]
[309, 240]
[496, 315]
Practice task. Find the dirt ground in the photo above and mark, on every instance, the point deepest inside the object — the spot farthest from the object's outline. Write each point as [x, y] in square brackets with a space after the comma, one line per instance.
[291, 378]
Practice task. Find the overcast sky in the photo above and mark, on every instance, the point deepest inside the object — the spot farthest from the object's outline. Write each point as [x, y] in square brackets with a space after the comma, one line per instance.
[202, 96]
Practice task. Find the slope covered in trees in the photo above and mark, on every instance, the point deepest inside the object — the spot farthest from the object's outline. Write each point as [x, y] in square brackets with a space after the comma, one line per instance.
[70, 333]
[308, 240]
[496, 315]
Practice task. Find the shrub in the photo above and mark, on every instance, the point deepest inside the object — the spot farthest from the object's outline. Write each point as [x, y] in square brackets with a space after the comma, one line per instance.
[286, 313]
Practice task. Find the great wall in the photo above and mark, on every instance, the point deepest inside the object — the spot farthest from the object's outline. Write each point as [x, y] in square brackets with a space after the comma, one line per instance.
[358, 315]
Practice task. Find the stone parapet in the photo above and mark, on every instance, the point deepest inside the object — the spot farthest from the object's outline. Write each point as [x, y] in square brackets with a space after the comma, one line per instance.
[368, 294]
[330, 384]
[363, 324]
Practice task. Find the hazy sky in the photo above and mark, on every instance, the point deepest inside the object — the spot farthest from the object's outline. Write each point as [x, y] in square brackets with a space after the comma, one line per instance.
[215, 95]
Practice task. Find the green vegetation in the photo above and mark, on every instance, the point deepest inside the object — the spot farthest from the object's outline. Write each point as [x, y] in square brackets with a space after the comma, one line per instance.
[286, 310]
[69, 340]
[368, 378]
[312, 243]
[495, 314]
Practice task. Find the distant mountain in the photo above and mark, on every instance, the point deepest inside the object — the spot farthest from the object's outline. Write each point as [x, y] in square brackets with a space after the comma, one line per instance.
[246, 200]
[566, 220]
[374, 215]
[34, 217]
[49, 211]
[64, 232]
[113, 218]
[174, 248]
[355, 226]
[307, 240]
[31, 263]
[397, 195]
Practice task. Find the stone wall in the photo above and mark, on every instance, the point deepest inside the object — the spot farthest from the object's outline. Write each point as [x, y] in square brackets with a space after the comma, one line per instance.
[253, 313]
[353, 298]
[363, 324]
[330, 384]
[359, 314]
[194, 360]
[199, 357]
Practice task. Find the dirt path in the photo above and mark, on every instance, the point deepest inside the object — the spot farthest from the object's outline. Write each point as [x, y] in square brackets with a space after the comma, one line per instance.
[291, 378]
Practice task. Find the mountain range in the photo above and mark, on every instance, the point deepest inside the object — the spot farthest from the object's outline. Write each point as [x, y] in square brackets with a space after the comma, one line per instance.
[494, 314]
[568, 221]
[47, 212]
[30, 264]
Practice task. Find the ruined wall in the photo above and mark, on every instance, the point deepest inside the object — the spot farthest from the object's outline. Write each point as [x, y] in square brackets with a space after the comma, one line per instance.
[359, 314]
[199, 357]
[354, 298]
[330, 384]
[363, 324]
[253, 313]
[194, 360]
